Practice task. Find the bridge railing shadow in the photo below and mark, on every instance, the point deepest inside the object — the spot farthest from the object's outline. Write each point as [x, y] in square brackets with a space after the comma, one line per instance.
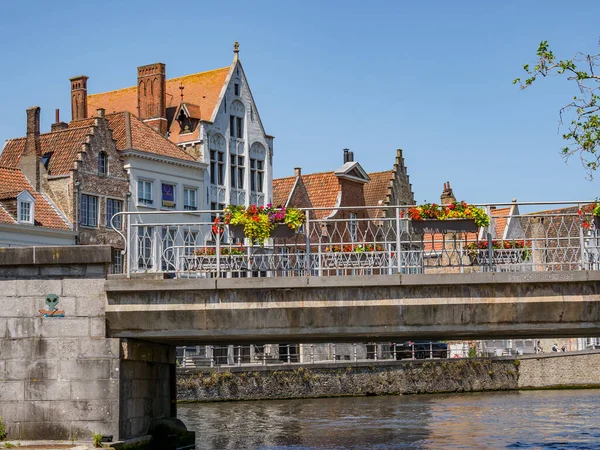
[366, 241]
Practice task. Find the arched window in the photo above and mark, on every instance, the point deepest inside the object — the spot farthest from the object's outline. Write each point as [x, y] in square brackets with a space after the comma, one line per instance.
[102, 163]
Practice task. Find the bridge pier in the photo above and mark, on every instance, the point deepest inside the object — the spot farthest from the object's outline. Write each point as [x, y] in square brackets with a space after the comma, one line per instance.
[61, 377]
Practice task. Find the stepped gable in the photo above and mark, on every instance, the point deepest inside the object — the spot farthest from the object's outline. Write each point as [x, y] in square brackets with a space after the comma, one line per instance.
[12, 183]
[129, 132]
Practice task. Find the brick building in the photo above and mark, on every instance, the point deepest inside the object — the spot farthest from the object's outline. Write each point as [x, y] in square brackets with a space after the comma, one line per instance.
[211, 115]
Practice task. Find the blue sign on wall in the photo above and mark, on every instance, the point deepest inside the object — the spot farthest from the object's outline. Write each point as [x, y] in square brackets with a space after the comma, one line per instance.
[168, 195]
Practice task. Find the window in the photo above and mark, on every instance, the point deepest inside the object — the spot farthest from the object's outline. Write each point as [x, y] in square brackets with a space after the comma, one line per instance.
[25, 212]
[353, 228]
[221, 168]
[236, 89]
[237, 171]
[168, 195]
[236, 127]
[102, 163]
[113, 207]
[189, 199]
[216, 207]
[145, 196]
[117, 265]
[256, 175]
[89, 210]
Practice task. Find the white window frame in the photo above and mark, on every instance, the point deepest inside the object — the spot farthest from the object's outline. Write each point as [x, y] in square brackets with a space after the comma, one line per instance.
[25, 199]
[87, 210]
[257, 176]
[186, 204]
[353, 227]
[119, 219]
[142, 201]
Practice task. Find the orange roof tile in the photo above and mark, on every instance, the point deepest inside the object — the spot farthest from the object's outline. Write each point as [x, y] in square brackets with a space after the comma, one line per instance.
[63, 144]
[377, 190]
[13, 181]
[500, 216]
[322, 189]
[202, 89]
[5, 217]
[282, 187]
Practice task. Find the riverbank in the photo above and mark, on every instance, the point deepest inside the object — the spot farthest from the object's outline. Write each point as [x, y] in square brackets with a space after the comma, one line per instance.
[546, 371]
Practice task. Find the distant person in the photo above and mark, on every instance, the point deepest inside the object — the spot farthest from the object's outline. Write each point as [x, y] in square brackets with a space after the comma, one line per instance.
[555, 348]
[563, 348]
[538, 347]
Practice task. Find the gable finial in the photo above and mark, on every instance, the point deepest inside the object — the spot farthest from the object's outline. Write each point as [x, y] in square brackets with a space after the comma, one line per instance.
[236, 47]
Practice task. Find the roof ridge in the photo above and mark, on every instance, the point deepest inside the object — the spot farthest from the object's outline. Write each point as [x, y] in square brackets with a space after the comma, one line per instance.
[135, 118]
[381, 171]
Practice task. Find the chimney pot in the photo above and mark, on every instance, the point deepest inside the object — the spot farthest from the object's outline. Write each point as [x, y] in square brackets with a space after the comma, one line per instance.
[100, 112]
[298, 171]
[350, 156]
[345, 155]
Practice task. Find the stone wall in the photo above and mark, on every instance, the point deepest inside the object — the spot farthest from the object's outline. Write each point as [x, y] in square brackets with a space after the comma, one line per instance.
[59, 376]
[555, 370]
[146, 391]
[326, 380]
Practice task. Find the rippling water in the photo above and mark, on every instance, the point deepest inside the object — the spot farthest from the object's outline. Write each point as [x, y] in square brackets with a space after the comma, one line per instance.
[522, 420]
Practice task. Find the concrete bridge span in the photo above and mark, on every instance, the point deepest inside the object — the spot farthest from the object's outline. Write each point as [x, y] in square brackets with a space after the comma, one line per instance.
[373, 308]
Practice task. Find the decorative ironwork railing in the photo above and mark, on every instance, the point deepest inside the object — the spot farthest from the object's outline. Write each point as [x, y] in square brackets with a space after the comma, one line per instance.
[365, 241]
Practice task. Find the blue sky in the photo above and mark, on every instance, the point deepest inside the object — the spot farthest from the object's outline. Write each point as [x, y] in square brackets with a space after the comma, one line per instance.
[433, 78]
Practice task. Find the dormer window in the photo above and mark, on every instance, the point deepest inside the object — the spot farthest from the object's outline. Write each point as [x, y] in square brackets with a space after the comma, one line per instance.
[184, 122]
[102, 163]
[25, 206]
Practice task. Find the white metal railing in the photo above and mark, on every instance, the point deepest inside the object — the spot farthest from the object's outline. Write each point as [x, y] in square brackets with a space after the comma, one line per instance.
[199, 356]
[375, 240]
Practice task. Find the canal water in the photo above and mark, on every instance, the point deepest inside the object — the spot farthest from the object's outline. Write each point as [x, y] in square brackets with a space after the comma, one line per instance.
[565, 419]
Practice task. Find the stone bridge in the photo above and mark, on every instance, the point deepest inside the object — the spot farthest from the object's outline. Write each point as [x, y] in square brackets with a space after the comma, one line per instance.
[108, 364]
[370, 308]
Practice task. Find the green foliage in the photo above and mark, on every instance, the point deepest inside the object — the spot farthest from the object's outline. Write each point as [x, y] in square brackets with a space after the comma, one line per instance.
[9, 445]
[259, 221]
[516, 362]
[583, 131]
[2, 429]
[97, 438]
[472, 352]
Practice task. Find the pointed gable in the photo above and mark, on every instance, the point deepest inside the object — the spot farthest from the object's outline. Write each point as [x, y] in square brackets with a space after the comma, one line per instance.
[13, 183]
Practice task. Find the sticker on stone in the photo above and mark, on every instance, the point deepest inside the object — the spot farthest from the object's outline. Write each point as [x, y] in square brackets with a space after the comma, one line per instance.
[52, 311]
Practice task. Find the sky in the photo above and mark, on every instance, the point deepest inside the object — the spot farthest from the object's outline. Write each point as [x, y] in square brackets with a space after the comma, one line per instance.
[433, 78]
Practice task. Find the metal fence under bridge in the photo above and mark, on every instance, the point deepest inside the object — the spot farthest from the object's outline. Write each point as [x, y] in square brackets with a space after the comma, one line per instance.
[559, 236]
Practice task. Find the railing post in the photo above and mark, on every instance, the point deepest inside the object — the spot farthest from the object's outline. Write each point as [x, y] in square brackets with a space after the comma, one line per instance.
[264, 355]
[490, 250]
[333, 352]
[398, 241]
[218, 249]
[312, 353]
[239, 355]
[355, 354]
[212, 356]
[128, 247]
[289, 357]
[431, 350]
[375, 351]
[581, 243]
[307, 241]
[412, 350]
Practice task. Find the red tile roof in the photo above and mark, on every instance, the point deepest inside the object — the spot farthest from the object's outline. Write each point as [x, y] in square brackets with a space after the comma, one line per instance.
[5, 217]
[63, 144]
[322, 189]
[377, 190]
[282, 187]
[13, 182]
[202, 89]
[500, 220]
[143, 137]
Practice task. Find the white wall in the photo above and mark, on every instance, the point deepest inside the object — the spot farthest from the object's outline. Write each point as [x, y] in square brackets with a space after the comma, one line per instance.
[27, 235]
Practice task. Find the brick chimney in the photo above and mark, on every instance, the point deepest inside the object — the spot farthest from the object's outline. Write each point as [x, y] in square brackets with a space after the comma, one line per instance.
[298, 171]
[447, 196]
[152, 96]
[79, 97]
[31, 159]
[58, 125]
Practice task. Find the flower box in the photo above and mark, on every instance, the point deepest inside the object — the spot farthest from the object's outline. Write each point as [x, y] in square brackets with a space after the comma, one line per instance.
[280, 231]
[443, 226]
